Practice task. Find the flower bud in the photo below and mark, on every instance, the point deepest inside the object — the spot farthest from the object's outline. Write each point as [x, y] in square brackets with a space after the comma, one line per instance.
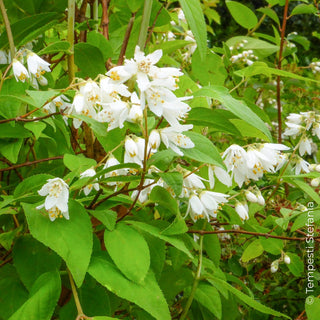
[315, 182]
[287, 259]
[274, 266]
[250, 196]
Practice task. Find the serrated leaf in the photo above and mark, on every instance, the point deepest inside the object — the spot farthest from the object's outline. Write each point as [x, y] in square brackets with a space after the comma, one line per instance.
[249, 301]
[89, 60]
[174, 180]
[70, 239]
[31, 184]
[56, 47]
[156, 232]
[242, 14]
[237, 107]
[163, 197]
[209, 297]
[146, 295]
[107, 217]
[44, 295]
[303, 9]
[31, 259]
[271, 245]
[253, 250]
[203, 150]
[195, 18]
[129, 251]
[41, 97]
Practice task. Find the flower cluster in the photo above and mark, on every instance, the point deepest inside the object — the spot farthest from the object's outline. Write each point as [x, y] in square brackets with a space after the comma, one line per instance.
[36, 69]
[315, 67]
[56, 192]
[253, 163]
[245, 56]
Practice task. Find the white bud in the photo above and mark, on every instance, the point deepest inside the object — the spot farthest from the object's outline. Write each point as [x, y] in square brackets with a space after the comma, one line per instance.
[154, 139]
[315, 182]
[287, 259]
[261, 200]
[274, 266]
[250, 196]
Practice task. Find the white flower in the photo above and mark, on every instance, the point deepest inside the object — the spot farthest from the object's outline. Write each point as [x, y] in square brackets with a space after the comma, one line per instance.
[242, 210]
[287, 259]
[118, 74]
[295, 118]
[154, 140]
[134, 150]
[300, 165]
[89, 173]
[114, 113]
[316, 129]
[142, 66]
[112, 161]
[220, 173]
[36, 65]
[223, 236]
[211, 201]
[91, 93]
[274, 266]
[173, 138]
[191, 183]
[135, 114]
[315, 182]
[305, 146]
[293, 129]
[57, 196]
[236, 161]
[110, 90]
[59, 103]
[19, 70]
[196, 209]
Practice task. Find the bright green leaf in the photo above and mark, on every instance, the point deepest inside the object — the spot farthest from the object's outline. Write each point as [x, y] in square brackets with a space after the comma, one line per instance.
[242, 14]
[253, 250]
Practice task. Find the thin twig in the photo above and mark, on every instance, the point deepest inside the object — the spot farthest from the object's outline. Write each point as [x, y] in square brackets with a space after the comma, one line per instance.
[126, 39]
[105, 18]
[153, 25]
[257, 234]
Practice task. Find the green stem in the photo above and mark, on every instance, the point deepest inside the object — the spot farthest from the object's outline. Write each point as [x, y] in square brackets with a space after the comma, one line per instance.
[195, 282]
[95, 10]
[75, 294]
[145, 23]
[8, 28]
[71, 15]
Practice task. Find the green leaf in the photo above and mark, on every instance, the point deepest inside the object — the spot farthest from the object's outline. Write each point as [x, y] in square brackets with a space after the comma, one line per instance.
[89, 60]
[217, 119]
[261, 48]
[163, 197]
[10, 150]
[103, 318]
[253, 250]
[248, 130]
[107, 217]
[156, 232]
[35, 127]
[78, 163]
[237, 107]
[262, 68]
[41, 97]
[70, 239]
[306, 218]
[146, 295]
[31, 184]
[242, 14]
[7, 130]
[211, 245]
[100, 129]
[168, 47]
[271, 245]
[96, 39]
[195, 18]
[12, 292]
[270, 13]
[209, 297]
[296, 265]
[134, 5]
[249, 301]
[129, 251]
[178, 226]
[43, 298]
[29, 27]
[305, 188]
[56, 47]
[303, 9]
[174, 180]
[312, 308]
[31, 259]
[203, 151]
